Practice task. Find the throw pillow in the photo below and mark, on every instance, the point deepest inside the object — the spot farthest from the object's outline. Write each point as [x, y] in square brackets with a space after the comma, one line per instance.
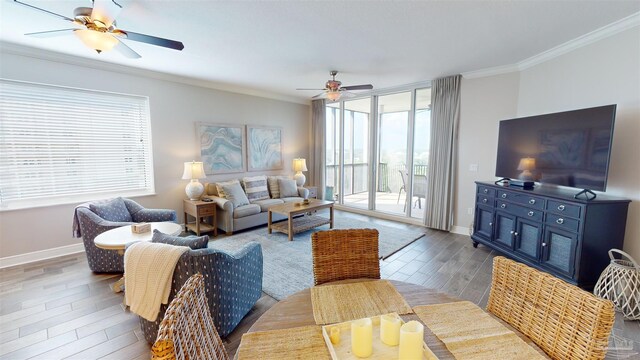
[288, 188]
[256, 188]
[112, 210]
[272, 182]
[235, 194]
[219, 186]
[194, 242]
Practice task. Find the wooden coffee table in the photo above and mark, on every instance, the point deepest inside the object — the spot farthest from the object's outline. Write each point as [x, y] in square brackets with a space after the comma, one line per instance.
[300, 224]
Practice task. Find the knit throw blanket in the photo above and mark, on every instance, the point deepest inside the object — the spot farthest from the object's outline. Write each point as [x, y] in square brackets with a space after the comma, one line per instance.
[148, 270]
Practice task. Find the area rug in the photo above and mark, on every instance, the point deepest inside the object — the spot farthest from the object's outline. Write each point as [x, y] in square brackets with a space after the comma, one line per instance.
[288, 264]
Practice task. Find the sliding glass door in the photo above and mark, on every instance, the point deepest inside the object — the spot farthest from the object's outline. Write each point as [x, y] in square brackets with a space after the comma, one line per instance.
[377, 156]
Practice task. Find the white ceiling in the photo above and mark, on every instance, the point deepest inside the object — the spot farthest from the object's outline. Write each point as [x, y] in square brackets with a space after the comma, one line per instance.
[277, 46]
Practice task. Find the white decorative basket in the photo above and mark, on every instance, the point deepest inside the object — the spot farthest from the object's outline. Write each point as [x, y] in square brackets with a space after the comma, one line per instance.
[620, 283]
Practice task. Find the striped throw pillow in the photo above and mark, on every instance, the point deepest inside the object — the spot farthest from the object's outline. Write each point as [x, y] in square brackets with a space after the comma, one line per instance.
[274, 189]
[256, 188]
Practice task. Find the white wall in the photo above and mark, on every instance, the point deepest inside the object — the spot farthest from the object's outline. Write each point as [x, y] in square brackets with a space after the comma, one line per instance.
[484, 102]
[175, 108]
[602, 73]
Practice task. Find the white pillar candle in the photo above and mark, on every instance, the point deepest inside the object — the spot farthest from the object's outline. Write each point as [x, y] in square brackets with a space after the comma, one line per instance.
[411, 341]
[390, 329]
[362, 337]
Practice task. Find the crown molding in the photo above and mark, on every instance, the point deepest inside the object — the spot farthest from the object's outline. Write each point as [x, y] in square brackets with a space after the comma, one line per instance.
[584, 40]
[48, 55]
[606, 31]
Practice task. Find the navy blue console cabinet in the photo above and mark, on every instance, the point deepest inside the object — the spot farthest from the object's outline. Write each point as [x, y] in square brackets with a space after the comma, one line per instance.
[548, 229]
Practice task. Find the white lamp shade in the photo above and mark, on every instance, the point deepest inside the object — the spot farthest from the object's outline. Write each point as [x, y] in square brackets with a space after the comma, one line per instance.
[96, 40]
[193, 170]
[299, 165]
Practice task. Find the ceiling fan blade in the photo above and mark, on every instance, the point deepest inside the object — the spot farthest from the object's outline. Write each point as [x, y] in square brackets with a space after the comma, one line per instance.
[311, 89]
[171, 44]
[45, 11]
[51, 33]
[357, 87]
[105, 11]
[126, 50]
[346, 94]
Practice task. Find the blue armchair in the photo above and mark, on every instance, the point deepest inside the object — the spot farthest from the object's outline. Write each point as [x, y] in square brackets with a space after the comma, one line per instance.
[233, 284]
[94, 218]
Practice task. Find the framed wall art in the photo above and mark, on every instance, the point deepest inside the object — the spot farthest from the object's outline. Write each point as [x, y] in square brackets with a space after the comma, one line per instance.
[222, 148]
[264, 145]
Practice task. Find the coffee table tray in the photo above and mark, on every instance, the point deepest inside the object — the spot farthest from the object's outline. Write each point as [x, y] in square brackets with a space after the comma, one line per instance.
[301, 224]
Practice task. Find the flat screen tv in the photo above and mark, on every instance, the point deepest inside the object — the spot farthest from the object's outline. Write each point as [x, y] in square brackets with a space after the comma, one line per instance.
[570, 148]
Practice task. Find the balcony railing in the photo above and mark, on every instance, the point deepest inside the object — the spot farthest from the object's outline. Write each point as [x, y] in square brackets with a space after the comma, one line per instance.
[356, 175]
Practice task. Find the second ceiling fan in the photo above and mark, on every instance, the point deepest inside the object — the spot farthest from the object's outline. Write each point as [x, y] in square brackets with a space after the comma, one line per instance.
[333, 89]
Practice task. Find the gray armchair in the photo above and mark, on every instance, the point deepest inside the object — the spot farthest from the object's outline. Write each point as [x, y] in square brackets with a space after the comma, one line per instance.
[233, 284]
[94, 218]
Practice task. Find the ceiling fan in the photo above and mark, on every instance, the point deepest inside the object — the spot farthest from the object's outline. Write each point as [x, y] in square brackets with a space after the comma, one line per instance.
[97, 29]
[333, 89]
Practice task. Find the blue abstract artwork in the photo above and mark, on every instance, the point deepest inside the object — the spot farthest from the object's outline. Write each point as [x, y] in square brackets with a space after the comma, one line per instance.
[265, 148]
[222, 148]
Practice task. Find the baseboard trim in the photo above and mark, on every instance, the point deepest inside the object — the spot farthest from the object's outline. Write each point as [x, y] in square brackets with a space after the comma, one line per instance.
[462, 230]
[10, 261]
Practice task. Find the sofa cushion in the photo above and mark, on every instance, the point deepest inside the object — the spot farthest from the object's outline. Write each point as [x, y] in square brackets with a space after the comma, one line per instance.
[265, 204]
[287, 187]
[235, 194]
[246, 210]
[220, 190]
[194, 242]
[256, 188]
[112, 210]
[272, 182]
[292, 199]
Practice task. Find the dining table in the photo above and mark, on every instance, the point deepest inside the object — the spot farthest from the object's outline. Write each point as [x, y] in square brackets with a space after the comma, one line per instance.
[297, 311]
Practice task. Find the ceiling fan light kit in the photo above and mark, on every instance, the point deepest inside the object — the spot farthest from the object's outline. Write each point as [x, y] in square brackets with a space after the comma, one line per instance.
[333, 89]
[100, 32]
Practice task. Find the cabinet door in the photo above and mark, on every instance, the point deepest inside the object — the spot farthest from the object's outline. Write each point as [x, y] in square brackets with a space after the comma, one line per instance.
[484, 222]
[559, 251]
[505, 230]
[528, 238]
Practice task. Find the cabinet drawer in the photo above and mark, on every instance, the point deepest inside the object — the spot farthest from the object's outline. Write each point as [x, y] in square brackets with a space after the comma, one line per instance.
[521, 211]
[565, 209]
[527, 200]
[487, 191]
[563, 222]
[206, 210]
[485, 200]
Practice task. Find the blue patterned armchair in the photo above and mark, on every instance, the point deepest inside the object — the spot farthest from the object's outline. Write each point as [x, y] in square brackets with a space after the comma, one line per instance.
[233, 284]
[94, 218]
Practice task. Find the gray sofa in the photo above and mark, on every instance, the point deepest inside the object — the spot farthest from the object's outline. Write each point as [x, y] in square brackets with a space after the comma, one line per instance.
[246, 216]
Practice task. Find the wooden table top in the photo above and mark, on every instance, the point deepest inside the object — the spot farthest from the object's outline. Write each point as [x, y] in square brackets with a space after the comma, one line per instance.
[295, 207]
[296, 310]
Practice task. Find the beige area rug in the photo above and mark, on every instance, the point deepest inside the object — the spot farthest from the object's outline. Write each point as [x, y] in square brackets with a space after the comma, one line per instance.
[288, 264]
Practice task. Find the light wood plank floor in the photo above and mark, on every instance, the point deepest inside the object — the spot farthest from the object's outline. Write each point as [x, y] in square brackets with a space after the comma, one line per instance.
[58, 309]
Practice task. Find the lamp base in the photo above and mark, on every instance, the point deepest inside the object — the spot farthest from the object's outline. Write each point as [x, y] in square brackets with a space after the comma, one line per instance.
[194, 190]
[299, 178]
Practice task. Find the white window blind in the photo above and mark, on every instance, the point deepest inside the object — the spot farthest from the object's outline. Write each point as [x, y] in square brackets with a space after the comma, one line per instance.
[61, 144]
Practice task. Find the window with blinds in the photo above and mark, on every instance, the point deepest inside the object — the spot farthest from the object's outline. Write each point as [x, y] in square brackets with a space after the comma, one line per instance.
[60, 145]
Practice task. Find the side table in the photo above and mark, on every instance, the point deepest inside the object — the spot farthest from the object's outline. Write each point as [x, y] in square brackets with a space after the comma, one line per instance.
[199, 210]
[313, 191]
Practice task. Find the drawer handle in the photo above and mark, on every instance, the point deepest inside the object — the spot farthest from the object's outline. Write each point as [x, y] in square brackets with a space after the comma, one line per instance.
[560, 221]
[504, 196]
[490, 224]
[484, 200]
[530, 213]
[544, 244]
[561, 207]
[503, 206]
[532, 201]
[515, 234]
[486, 191]
[512, 232]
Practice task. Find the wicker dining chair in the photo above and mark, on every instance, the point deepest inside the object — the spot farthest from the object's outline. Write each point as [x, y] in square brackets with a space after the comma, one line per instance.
[562, 319]
[345, 254]
[187, 330]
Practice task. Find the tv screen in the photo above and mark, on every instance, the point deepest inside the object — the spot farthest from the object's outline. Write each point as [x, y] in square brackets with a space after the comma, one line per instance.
[570, 148]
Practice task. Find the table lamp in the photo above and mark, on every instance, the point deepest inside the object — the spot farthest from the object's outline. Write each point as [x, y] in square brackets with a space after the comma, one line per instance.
[193, 171]
[526, 165]
[299, 165]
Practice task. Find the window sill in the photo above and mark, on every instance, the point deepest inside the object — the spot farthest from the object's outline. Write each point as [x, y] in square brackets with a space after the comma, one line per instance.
[77, 199]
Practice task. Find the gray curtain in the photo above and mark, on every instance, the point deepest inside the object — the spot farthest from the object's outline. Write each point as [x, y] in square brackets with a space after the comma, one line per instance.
[318, 153]
[443, 153]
